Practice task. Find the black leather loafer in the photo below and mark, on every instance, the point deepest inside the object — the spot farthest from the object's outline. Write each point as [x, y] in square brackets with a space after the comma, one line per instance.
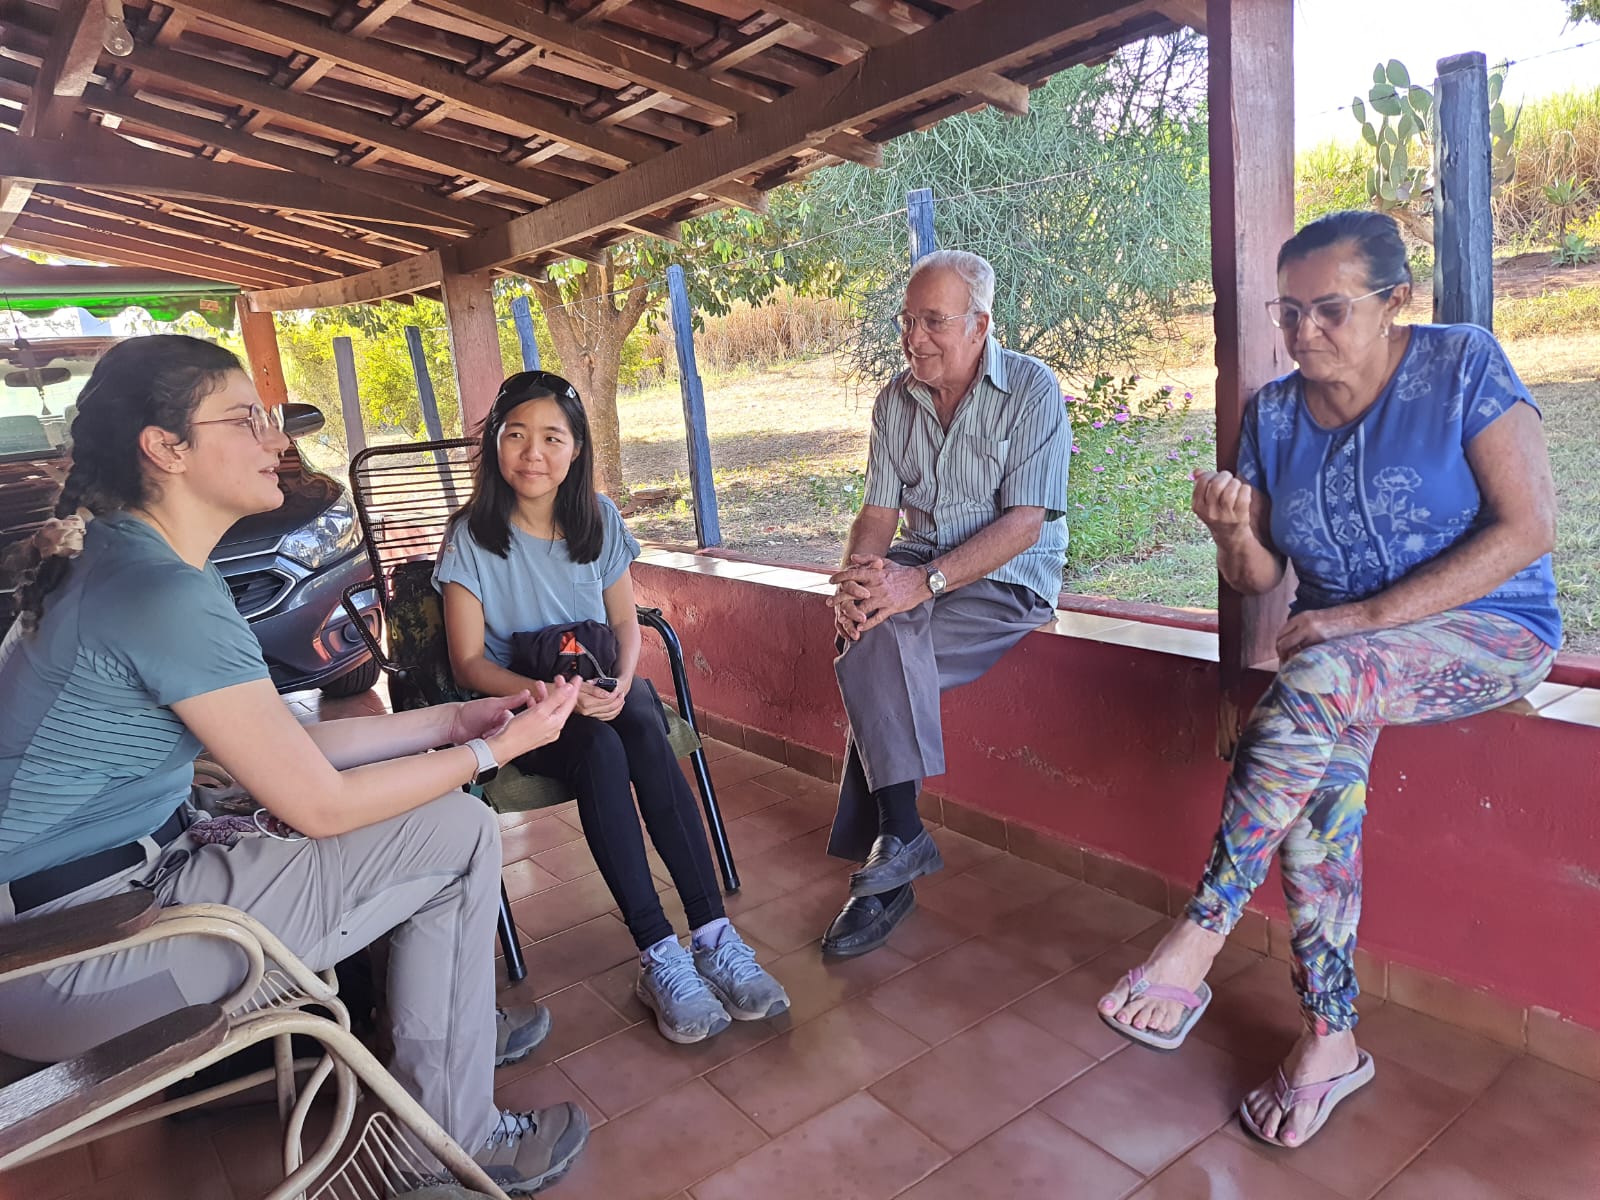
[864, 923]
[893, 863]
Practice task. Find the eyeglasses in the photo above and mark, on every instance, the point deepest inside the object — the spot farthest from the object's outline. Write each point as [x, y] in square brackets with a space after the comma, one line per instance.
[907, 323]
[260, 420]
[1325, 314]
[526, 381]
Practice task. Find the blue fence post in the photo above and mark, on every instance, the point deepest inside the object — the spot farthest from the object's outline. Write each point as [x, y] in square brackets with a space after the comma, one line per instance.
[1463, 223]
[425, 393]
[344, 362]
[919, 220]
[708, 531]
[522, 314]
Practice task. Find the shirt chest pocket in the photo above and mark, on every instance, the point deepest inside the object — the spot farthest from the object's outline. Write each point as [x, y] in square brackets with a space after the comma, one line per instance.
[972, 467]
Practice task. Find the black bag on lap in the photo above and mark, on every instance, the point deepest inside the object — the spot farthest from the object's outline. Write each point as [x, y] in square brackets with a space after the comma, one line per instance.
[586, 649]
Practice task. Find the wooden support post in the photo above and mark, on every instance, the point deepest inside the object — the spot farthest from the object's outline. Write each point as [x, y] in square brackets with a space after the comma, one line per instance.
[1463, 224]
[522, 314]
[919, 220]
[1251, 141]
[344, 362]
[474, 343]
[425, 392]
[707, 529]
[261, 350]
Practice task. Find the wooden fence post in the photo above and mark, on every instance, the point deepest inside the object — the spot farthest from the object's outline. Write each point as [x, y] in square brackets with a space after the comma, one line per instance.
[919, 220]
[425, 392]
[708, 531]
[1463, 224]
[344, 361]
[522, 314]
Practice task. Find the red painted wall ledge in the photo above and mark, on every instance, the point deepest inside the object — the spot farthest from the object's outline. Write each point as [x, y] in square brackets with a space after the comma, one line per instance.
[1483, 843]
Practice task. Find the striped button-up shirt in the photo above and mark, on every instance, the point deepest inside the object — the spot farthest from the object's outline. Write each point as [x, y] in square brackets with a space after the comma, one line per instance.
[1008, 446]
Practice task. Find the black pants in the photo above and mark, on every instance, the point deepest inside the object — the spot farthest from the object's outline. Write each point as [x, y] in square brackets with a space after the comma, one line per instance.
[598, 760]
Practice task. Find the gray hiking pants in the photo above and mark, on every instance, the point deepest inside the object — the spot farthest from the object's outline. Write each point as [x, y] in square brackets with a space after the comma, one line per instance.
[891, 681]
[431, 875]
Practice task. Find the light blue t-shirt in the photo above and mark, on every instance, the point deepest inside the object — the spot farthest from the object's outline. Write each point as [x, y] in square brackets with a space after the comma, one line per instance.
[1358, 508]
[91, 754]
[536, 584]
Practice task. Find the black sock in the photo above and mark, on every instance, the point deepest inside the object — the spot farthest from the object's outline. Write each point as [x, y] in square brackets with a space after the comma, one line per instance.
[897, 811]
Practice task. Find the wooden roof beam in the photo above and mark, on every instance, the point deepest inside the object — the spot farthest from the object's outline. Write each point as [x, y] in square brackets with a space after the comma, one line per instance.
[615, 148]
[99, 159]
[453, 213]
[837, 21]
[399, 279]
[440, 153]
[525, 20]
[92, 226]
[992, 36]
[742, 195]
[374, 18]
[601, 10]
[54, 237]
[68, 61]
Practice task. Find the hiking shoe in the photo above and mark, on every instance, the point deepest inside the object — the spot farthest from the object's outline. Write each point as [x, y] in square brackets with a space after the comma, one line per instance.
[734, 977]
[517, 1031]
[531, 1150]
[686, 1009]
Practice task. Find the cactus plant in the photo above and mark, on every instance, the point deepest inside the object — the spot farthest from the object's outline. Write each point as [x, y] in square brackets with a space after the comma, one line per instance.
[1402, 127]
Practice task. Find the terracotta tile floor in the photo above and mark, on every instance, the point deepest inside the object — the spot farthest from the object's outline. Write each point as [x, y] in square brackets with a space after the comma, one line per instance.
[962, 1061]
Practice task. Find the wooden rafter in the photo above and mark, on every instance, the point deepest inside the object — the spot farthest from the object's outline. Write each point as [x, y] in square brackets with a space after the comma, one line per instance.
[439, 153]
[991, 36]
[309, 164]
[399, 279]
[63, 73]
[98, 159]
[616, 148]
[55, 237]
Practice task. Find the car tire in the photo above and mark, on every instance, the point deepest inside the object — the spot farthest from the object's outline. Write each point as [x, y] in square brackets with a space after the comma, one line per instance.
[353, 683]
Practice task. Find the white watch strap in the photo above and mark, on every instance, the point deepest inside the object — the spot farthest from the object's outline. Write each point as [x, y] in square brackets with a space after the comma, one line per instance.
[485, 756]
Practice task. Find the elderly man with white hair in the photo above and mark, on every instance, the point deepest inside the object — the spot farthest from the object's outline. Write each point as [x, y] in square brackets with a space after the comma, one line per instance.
[968, 464]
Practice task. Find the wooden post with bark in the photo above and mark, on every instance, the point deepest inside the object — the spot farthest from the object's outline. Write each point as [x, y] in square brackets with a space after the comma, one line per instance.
[1463, 221]
[707, 528]
[919, 221]
[344, 363]
[522, 315]
[474, 343]
[261, 351]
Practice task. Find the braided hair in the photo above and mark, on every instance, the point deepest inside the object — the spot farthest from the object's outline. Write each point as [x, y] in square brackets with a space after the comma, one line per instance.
[158, 380]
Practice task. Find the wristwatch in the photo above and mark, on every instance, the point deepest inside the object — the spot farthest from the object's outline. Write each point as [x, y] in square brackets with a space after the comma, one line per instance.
[488, 765]
[936, 580]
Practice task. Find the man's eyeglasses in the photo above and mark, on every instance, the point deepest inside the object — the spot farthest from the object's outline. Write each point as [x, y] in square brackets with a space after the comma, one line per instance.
[907, 323]
[260, 420]
[1324, 314]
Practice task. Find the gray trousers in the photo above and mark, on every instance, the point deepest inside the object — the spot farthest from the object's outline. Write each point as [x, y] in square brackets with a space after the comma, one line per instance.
[431, 875]
[891, 681]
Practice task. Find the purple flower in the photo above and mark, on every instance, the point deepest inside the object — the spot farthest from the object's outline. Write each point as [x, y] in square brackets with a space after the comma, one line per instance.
[1070, 399]
[1097, 469]
[1111, 449]
[1076, 449]
[1188, 437]
[1169, 405]
[1098, 425]
[1188, 395]
[1173, 455]
[1166, 390]
[1121, 418]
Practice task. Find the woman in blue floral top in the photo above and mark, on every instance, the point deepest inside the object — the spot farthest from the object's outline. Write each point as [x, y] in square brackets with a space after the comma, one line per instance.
[1402, 471]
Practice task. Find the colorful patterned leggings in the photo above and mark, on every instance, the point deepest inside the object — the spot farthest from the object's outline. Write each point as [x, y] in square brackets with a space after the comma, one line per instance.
[1300, 777]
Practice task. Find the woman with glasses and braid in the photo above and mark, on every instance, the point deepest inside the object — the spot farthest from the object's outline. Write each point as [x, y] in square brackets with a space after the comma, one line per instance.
[1402, 471]
[127, 656]
[537, 549]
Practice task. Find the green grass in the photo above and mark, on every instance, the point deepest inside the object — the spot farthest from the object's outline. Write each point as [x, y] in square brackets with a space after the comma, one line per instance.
[1574, 310]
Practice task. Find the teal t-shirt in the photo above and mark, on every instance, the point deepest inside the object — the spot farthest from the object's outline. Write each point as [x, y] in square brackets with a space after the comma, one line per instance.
[91, 754]
[536, 584]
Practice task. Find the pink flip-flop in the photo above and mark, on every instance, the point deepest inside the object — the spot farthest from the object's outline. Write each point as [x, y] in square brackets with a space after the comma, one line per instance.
[1326, 1094]
[1194, 1003]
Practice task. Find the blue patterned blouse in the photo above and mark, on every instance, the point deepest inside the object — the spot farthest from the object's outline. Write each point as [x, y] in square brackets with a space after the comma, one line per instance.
[1359, 507]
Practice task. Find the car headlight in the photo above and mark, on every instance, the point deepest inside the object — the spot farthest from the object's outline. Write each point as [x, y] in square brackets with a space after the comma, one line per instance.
[329, 535]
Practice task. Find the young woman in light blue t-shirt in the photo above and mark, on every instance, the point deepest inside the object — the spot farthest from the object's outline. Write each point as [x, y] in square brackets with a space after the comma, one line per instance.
[537, 547]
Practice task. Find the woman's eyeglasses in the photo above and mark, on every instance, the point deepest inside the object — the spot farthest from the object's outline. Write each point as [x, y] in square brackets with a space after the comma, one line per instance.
[907, 323]
[260, 420]
[525, 381]
[1324, 314]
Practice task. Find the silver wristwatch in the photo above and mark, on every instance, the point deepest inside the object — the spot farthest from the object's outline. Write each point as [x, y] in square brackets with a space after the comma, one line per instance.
[488, 765]
[936, 580]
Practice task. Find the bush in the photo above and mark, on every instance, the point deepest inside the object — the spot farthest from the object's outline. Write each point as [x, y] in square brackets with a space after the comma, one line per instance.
[1133, 457]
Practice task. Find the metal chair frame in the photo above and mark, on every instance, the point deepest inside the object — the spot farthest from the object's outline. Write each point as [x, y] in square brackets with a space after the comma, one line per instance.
[417, 536]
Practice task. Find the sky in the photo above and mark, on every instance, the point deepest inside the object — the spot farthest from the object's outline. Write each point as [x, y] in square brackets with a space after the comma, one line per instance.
[1337, 43]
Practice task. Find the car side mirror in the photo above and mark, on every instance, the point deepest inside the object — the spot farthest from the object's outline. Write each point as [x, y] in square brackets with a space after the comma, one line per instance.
[302, 419]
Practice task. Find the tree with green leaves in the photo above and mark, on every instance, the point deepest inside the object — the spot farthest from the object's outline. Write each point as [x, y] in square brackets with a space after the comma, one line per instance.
[1583, 10]
[1093, 210]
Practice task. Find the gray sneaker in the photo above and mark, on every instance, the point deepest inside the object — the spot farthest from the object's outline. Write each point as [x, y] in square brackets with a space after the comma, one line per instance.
[733, 975]
[686, 1009]
[529, 1151]
[517, 1031]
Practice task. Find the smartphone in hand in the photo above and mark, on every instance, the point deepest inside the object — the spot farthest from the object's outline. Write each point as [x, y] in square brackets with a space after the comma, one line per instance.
[605, 683]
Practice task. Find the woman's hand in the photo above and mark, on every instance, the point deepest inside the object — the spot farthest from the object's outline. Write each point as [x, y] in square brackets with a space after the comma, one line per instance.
[486, 717]
[600, 704]
[1322, 625]
[539, 724]
[1222, 501]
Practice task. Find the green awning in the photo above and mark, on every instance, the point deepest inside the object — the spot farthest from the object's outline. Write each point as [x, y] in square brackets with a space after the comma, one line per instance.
[33, 289]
